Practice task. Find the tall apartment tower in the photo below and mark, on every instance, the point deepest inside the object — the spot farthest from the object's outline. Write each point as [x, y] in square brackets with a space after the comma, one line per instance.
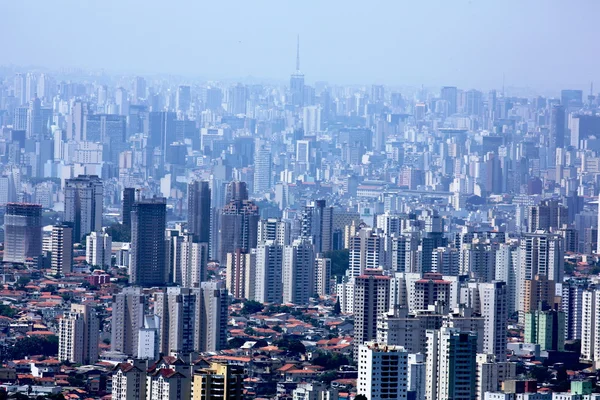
[128, 309]
[83, 205]
[187, 260]
[322, 275]
[241, 274]
[263, 165]
[192, 319]
[366, 251]
[78, 335]
[494, 309]
[547, 216]
[239, 227]
[269, 263]
[371, 300]
[274, 229]
[22, 232]
[571, 305]
[199, 211]
[127, 206]
[590, 333]
[382, 371]
[218, 381]
[317, 225]
[298, 272]
[148, 265]
[61, 260]
[541, 254]
[236, 191]
[451, 364]
[98, 249]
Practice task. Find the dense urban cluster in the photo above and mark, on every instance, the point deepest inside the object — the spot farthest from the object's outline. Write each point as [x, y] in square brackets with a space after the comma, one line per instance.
[165, 238]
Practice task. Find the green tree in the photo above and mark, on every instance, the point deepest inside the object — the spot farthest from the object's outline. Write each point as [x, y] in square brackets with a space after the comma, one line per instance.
[340, 261]
[360, 397]
[251, 307]
[7, 311]
[119, 232]
[34, 345]
[337, 308]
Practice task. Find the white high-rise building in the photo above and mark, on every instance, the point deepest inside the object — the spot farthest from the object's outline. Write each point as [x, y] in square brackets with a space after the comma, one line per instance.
[274, 229]
[78, 335]
[192, 319]
[371, 301]
[507, 264]
[298, 272]
[451, 364]
[367, 250]
[322, 275]
[382, 371]
[493, 297]
[269, 264]
[311, 121]
[148, 338]
[590, 333]
[127, 319]
[241, 274]
[98, 249]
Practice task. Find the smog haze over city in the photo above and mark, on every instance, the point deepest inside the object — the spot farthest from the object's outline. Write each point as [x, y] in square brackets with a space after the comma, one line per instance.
[309, 200]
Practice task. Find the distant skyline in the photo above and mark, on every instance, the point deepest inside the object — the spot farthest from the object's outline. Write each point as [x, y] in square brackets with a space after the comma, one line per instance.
[543, 45]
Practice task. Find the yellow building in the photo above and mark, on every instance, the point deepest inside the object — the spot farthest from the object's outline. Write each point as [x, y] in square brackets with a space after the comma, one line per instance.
[219, 381]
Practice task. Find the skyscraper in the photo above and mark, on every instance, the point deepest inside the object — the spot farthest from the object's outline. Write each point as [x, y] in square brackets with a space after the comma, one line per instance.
[192, 319]
[78, 335]
[98, 249]
[269, 264]
[382, 371]
[62, 249]
[322, 275]
[450, 94]
[199, 211]
[161, 130]
[298, 272]
[371, 300]
[239, 227]
[84, 205]
[451, 364]
[317, 225]
[236, 101]
[128, 309]
[127, 206]
[22, 232]
[184, 98]
[219, 381]
[297, 82]
[148, 249]
[241, 274]
[35, 126]
[556, 138]
[494, 309]
[187, 260]
[262, 171]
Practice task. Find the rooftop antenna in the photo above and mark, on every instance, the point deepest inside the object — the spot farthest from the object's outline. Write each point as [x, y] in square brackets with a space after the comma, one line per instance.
[298, 54]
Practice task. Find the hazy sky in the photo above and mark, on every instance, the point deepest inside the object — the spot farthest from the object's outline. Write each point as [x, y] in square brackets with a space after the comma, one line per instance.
[535, 43]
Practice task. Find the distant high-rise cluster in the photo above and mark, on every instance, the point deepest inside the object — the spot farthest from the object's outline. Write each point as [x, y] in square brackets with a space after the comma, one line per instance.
[443, 241]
